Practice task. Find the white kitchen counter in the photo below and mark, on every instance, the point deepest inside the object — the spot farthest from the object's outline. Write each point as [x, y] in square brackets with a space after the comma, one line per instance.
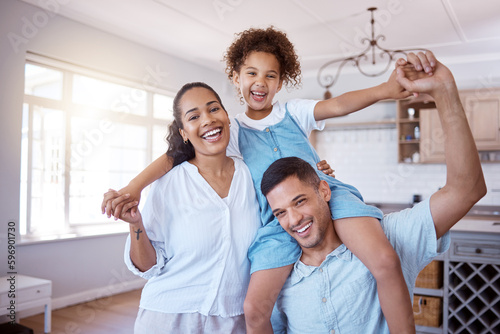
[479, 224]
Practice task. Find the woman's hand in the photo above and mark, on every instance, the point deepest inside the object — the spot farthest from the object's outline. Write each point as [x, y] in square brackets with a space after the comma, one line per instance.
[113, 201]
[325, 168]
[134, 218]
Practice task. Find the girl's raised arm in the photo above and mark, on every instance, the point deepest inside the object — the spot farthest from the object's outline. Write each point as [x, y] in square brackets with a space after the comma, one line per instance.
[359, 99]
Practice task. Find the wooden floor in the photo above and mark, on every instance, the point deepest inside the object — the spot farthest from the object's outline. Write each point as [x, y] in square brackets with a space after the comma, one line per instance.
[112, 315]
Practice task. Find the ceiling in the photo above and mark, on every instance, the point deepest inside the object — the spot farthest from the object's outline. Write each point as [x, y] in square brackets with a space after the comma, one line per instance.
[200, 30]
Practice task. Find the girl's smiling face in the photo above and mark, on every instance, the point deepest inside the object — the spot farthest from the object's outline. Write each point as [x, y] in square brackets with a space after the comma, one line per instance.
[205, 122]
[258, 82]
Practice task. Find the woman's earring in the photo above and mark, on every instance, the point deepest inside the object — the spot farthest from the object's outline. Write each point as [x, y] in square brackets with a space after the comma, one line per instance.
[186, 141]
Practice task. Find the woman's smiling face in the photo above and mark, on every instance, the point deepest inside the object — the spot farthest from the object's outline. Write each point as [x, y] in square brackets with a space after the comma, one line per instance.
[205, 122]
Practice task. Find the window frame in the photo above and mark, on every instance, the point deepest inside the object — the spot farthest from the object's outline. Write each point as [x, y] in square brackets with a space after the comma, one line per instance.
[70, 111]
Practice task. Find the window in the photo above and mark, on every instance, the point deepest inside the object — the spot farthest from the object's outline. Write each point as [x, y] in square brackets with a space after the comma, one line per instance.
[82, 132]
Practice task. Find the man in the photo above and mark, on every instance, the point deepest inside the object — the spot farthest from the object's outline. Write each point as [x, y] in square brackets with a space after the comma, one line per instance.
[329, 289]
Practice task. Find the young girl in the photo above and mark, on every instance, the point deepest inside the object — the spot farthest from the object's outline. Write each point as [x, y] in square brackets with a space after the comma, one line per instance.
[259, 62]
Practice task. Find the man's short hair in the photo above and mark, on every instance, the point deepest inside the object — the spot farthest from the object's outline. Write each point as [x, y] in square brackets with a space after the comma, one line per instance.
[284, 168]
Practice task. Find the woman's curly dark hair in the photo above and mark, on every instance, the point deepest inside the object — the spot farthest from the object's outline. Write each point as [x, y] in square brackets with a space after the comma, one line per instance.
[268, 40]
[177, 149]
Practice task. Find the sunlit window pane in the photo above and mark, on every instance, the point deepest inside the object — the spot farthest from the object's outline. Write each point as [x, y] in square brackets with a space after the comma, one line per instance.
[102, 154]
[106, 134]
[43, 82]
[23, 209]
[106, 95]
[160, 145]
[47, 167]
[162, 107]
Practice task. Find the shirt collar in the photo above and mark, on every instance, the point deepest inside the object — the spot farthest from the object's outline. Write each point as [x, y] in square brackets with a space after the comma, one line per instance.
[301, 270]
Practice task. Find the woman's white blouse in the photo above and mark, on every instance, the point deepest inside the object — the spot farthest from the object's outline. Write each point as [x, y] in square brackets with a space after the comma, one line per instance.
[201, 243]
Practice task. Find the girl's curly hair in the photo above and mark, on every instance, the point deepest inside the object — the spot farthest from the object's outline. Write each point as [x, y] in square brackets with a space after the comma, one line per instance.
[268, 40]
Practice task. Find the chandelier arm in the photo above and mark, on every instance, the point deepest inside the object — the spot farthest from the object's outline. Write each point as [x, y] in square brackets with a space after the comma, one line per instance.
[376, 74]
[327, 81]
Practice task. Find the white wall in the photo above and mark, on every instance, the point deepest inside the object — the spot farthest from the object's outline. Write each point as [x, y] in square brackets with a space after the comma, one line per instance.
[82, 268]
[367, 159]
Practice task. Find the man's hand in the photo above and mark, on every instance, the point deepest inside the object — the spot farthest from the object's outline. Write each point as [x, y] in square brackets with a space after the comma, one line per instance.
[437, 78]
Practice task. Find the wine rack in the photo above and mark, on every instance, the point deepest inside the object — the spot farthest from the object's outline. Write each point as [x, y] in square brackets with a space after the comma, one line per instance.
[471, 286]
[473, 298]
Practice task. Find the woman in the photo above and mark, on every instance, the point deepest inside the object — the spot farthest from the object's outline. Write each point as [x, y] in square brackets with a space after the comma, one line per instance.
[192, 239]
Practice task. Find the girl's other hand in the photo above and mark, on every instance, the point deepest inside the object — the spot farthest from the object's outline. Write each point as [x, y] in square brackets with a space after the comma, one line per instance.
[325, 168]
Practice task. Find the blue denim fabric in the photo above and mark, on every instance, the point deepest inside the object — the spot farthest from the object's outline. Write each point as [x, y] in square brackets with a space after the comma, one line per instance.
[274, 247]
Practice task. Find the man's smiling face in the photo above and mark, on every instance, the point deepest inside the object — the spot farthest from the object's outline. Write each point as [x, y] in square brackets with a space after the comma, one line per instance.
[302, 210]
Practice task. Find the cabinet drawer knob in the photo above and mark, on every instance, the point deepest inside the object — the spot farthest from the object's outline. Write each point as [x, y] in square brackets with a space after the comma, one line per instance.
[478, 251]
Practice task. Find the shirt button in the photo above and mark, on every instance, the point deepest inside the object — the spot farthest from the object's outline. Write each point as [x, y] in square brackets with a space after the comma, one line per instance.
[320, 270]
[332, 331]
[267, 129]
[275, 149]
[323, 300]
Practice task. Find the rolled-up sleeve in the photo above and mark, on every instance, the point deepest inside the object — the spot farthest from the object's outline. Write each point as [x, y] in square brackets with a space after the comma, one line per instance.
[154, 270]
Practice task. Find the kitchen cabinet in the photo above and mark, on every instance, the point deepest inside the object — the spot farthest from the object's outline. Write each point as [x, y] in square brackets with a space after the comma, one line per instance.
[432, 142]
[470, 293]
[482, 108]
[408, 119]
